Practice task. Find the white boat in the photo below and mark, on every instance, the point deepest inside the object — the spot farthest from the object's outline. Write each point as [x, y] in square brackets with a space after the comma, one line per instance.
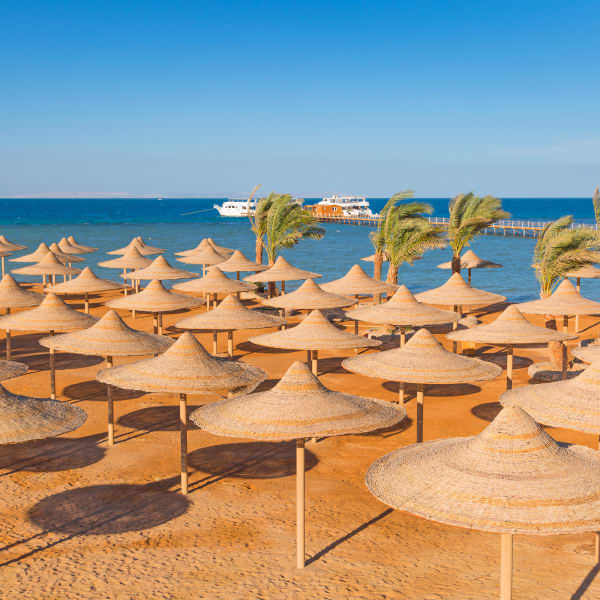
[236, 207]
[352, 206]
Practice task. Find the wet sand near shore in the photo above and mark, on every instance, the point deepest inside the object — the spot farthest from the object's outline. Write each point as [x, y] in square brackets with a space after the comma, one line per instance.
[80, 520]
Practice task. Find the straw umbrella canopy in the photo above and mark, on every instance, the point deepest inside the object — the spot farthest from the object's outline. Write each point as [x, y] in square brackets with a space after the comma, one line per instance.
[109, 337]
[86, 283]
[161, 270]
[65, 246]
[132, 259]
[371, 258]
[10, 369]
[49, 265]
[52, 315]
[572, 404]
[12, 295]
[469, 260]
[11, 245]
[566, 301]
[185, 368]
[33, 257]
[309, 296]
[24, 419]
[213, 282]
[297, 408]
[205, 257]
[282, 271]
[357, 283]
[404, 310]
[510, 478]
[64, 256]
[139, 244]
[456, 292]
[315, 332]
[589, 353]
[587, 272]
[229, 316]
[238, 263]
[156, 299]
[203, 245]
[81, 248]
[510, 329]
[422, 360]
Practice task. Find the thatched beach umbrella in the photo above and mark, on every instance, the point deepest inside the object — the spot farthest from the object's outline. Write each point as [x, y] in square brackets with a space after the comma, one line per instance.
[511, 478]
[4, 252]
[588, 272]
[587, 354]
[11, 245]
[313, 333]
[404, 310]
[49, 265]
[10, 369]
[64, 257]
[12, 295]
[510, 329]
[67, 248]
[469, 260]
[229, 316]
[203, 245]
[109, 337]
[357, 283]
[33, 257]
[238, 263]
[214, 282]
[139, 244]
[298, 408]
[185, 368]
[24, 419]
[422, 360]
[159, 269]
[282, 271]
[86, 283]
[157, 300]
[309, 296]
[132, 259]
[206, 257]
[81, 248]
[52, 315]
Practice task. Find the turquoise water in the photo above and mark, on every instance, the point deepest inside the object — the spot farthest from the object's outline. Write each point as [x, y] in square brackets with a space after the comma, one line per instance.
[111, 223]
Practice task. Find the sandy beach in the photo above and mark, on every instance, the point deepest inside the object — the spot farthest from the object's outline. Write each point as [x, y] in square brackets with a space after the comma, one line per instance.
[81, 520]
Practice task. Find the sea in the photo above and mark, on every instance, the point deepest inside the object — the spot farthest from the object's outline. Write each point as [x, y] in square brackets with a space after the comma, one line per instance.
[180, 223]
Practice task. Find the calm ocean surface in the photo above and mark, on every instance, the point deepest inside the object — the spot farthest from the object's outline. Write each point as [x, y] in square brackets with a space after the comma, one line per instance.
[111, 223]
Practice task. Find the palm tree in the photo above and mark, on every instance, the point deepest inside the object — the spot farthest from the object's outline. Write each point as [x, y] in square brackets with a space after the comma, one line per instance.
[385, 225]
[409, 240]
[469, 216]
[596, 203]
[559, 250]
[286, 224]
[258, 221]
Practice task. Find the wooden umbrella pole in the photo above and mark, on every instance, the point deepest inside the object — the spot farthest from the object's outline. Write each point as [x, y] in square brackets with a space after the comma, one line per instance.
[52, 372]
[155, 323]
[208, 301]
[183, 442]
[160, 326]
[401, 393]
[309, 359]
[315, 362]
[8, 340]
[283, 288]
[86, 303]
[563, 370]
[53, 280]
[3, 266]
[356, 327]
[237, 275]
[402, 336]
[230, 343]
[509, 368]
[454, 327]
[565, 324]
[215, 300]
[506, 565]
[110, 406]
[579, 285]
[43, 281]
[420, 398]
[300, 503]
[597, 550]
[469, 277]
[215, 341]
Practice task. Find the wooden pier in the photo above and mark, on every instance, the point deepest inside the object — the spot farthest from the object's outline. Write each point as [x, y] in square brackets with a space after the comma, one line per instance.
[503, 228]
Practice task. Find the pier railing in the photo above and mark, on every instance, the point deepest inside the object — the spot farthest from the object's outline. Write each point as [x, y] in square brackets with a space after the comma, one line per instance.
[508, 227]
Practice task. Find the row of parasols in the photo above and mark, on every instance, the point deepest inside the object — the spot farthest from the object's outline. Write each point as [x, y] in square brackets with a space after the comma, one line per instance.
[511, 478]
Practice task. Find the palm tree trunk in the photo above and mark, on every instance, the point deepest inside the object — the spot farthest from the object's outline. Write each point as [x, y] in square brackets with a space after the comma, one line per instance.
[272, 284]
[556, 350]
[456, 263]
[392, 274]
[259, 250]
[377, 264]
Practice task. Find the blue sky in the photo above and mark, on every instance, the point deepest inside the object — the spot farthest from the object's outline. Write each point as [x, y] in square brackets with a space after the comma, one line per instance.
[209, 98]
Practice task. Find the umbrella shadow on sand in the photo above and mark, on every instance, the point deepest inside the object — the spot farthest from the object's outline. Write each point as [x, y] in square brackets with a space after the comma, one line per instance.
[52, 454]
[247, 460]
[487, 411]
[102, 510]
[445, 389]
[387, 432]
[96, 391]
[63, 361]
